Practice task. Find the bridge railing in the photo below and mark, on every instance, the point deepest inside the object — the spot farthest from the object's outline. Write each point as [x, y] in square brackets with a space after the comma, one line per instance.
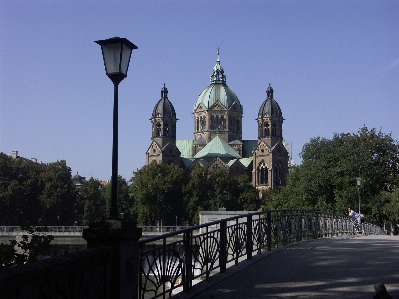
[173, 262]
[16, 230]
[77, 230]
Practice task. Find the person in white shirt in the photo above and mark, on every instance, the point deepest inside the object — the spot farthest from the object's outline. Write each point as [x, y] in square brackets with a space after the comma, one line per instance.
[356, 220]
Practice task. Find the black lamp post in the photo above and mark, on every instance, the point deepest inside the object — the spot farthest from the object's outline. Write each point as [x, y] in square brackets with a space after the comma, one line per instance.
[116, 54]
[358, 183]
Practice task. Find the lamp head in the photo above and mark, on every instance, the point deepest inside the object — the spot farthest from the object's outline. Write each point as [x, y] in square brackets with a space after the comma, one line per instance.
[358, 182]
[116, 54]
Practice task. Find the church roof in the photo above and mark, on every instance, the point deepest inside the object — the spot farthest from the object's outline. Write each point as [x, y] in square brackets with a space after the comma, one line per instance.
[217, 147]
[164, 107]
[270, 107]
[246, 161]
[248, 147]
[185, 147]
[217, 91]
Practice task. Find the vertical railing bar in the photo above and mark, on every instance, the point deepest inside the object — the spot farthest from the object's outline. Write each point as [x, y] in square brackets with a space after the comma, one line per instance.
[249, 244]
[222, 252]
[284, 227]
[269, 231]
[163, 274]
[141, 269]
[237, 244]
[206, 257]
[186, 277]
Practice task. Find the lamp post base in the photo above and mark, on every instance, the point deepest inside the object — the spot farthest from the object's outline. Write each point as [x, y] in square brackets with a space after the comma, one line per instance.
[122, 236]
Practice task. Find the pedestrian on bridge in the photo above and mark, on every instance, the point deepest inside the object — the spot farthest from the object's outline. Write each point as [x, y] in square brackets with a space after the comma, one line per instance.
[356, 220]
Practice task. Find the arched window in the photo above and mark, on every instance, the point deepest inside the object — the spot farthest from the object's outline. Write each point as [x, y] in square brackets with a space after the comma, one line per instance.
[274, 130]
[277, 174]
[263, 177]
[198, 124]
[158, 130]
[166, 130]
[267, 130]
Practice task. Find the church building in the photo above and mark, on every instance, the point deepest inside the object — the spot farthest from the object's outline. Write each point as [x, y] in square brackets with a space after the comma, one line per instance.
[218, 141]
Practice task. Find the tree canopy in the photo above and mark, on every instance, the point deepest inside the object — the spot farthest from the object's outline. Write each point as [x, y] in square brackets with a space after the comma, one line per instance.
[39, 194]
[167, 193]
[326, 179]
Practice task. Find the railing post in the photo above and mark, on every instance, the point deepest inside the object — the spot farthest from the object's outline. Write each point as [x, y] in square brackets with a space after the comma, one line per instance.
[316, 228]
[223, 246]
[269, 230]
[187, 270]
[249, 238]
[298, 227]
[284, 227]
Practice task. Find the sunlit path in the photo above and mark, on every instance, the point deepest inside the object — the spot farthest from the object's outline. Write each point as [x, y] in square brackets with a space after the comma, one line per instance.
[326, 268]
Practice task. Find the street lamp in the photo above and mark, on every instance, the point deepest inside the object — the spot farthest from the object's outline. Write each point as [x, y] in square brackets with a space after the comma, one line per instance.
[358, 183]
[116, 54]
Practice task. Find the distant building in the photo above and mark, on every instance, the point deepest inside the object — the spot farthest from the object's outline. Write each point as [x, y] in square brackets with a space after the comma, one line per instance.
[218, 139]
[14, 155]
[78, 180]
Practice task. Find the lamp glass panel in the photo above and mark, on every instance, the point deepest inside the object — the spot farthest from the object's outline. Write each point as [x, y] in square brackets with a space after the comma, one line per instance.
[112, 53]
[126, 52]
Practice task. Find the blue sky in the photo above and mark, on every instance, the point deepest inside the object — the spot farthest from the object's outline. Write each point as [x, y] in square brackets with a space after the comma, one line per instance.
[334, 67]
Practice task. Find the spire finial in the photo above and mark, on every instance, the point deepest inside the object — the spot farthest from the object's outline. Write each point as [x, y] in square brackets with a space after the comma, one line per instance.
[164, 92]
[269, 91]
[218, 75]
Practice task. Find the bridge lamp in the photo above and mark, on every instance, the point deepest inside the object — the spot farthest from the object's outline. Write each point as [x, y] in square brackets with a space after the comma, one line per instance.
[358, 183]
[116, 55]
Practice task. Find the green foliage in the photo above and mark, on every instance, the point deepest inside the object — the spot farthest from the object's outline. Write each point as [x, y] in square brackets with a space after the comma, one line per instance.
[246, 194]
[59, 194]
[35, 193]
[157, 192]
[125, 202]
[20, 187]
[197, 192]
[32, 245]
[326, 180]
[163, 192]
[91, 202]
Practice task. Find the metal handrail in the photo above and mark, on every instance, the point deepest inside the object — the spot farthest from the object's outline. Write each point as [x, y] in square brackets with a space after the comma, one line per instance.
[176, 260]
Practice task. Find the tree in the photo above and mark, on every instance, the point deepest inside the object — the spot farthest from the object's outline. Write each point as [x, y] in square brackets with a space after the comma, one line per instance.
[196, 193]
[326, 180]
[390, 206]
[125, 202]
[157, 191]
[59, 195]
[247, 197]
[29, 248]
[20, 188]
[91, 203]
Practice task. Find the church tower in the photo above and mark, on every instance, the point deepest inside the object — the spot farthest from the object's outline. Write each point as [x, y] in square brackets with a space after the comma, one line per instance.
[163, 121]
[217, 112]
[270, 159]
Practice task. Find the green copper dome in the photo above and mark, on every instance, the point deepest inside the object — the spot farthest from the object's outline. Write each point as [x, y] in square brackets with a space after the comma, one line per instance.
[217, 90]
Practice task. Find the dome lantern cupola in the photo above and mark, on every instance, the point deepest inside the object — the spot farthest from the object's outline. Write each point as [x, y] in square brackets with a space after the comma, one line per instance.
[270, 107]
[164, 119]
[217, 111]
[164, 107]
[218, 75]
[270, 119]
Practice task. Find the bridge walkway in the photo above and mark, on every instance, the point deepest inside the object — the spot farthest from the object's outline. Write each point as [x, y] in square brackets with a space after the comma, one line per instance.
[341, 267]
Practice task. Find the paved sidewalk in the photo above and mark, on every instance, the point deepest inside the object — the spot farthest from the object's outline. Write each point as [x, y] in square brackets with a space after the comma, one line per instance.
[326, 268]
